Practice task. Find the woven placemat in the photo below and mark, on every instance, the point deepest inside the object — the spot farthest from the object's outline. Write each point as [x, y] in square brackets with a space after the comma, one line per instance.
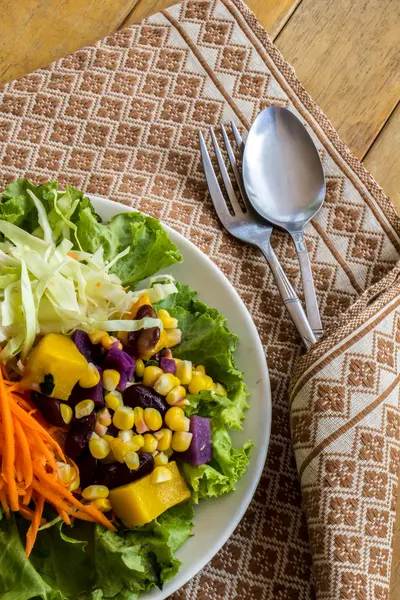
[120, 119]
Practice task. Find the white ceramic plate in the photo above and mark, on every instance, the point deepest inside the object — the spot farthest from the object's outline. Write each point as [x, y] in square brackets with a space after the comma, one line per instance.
[215, 520]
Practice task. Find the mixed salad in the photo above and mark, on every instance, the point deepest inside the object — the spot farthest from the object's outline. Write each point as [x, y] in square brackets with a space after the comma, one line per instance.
[118, 389]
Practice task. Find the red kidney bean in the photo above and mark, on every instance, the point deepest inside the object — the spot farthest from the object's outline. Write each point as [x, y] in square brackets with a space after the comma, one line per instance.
[146, 311]
[115, 474]
[79, 435]
[87, 467]
[144, 396]
[50, 408]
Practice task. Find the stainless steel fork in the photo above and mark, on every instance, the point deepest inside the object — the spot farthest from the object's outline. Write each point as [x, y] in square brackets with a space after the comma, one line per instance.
[247, 226]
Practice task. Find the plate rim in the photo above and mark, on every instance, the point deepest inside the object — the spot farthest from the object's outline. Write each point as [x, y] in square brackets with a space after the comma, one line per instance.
[181, 578]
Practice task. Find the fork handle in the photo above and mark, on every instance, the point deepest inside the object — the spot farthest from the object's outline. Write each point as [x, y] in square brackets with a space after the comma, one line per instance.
[290, 298]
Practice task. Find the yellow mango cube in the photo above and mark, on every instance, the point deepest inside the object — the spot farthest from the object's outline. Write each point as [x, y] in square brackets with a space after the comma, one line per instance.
[142, 501]
[58, 356]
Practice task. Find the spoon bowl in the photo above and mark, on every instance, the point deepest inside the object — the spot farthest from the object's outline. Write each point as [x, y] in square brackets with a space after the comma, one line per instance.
[285, 183]
[282, 170]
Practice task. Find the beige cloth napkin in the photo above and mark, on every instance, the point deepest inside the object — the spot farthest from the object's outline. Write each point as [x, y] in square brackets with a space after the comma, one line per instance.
[120, 119]
[346, 433]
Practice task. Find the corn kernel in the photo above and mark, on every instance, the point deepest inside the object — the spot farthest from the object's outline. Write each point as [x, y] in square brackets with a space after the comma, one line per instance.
[102, 504]
[84, 408]
[140, 423]
[153, 418]
[174, 337]
[66, 413]
[125, 435]
[75, 483]
[124, 417]
[181, 441]
[167, 353]
[96, 336]
[177, 394]
[176, 420]
[201, 369]
[150, 443]
[182, 403]
[151, 374]
[94, 436]
[139, 368]
[95, 492]
[131, 460]
[173, 413]
[219, 389]
[111, 379]
[100, 429]
[184, 371]
[108, 438]
[99, 448]
[209, 383]
[113, 400]
[167, 321]
[121, 450]
[198, 382]
[137, 442]
[161, 474]
[164, 441]
[123, 337]
[160, 460]
[165, 383]
[65, 472]
[108, 340]
[91, 377]
[104, 417]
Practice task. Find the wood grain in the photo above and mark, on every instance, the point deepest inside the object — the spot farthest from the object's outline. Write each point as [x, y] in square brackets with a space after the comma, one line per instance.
[145, 8]
[383, 161]
[33, 33]
[346, 55]
[273, 14]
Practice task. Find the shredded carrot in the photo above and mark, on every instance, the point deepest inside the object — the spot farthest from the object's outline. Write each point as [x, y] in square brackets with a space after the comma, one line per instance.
[4, 503]
[28, 496]
[65, 517]
[33, 528]
[9, 446]
[79, 514]
[29, 452]
[25, 451]
[26, 512]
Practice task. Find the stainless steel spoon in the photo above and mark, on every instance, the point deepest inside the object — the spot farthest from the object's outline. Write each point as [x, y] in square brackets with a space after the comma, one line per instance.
[285, 183]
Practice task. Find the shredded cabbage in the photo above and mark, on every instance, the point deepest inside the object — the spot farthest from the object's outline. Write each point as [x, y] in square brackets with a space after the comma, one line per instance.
[49, 288]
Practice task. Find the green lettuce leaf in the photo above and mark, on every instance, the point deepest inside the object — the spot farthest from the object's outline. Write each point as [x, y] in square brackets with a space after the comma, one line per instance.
[59, 568]
[71, 215]
[151, 248]
[136, 560]
[207, 340]
[226, 468]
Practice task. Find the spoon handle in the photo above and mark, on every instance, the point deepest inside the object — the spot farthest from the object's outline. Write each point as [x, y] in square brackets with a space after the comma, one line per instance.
[308, 284]
[289, 297]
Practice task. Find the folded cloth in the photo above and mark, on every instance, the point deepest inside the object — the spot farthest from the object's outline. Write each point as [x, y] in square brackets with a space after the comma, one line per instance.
[346, 432]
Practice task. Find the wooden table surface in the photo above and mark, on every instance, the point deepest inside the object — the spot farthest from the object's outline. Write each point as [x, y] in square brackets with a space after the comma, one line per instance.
[346, 53]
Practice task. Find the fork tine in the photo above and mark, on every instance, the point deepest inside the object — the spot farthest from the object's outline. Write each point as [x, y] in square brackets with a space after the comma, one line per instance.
[238, 138]
[225, 176]
[213, 186]
[233, 162]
